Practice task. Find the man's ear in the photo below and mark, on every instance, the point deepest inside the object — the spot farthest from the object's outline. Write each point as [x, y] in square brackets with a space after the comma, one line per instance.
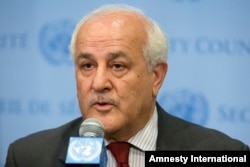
[160, 72]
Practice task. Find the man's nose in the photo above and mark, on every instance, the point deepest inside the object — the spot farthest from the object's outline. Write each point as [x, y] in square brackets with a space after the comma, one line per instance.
[101, 80]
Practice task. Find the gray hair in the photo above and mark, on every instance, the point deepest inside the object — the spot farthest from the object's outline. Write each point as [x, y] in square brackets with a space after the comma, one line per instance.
[156, 47]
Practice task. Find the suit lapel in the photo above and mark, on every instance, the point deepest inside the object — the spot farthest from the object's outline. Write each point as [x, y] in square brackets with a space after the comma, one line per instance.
[163, 129]
[170, 131]
[175, 133]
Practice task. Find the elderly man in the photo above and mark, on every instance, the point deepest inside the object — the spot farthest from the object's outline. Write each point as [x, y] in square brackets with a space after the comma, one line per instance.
[120, 64]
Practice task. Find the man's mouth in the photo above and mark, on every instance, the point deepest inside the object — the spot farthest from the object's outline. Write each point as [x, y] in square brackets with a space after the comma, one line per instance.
[103, 103]
[103, 106]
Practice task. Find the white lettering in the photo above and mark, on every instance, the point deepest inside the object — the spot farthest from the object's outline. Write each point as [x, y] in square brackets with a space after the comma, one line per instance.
[181, 159]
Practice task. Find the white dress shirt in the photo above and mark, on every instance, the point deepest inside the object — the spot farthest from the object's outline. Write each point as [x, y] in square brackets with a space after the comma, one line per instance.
[144, 140]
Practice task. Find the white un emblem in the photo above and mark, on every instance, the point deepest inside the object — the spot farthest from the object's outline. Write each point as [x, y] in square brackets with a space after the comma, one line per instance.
[84, 150]
[54, 41]
[185, 104]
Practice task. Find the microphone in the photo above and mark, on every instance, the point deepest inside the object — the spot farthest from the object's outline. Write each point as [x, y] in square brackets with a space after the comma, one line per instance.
[89, 148]
[91, 127]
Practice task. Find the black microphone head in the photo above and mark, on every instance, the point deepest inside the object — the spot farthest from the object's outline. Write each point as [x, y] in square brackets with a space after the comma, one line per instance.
[91, 127]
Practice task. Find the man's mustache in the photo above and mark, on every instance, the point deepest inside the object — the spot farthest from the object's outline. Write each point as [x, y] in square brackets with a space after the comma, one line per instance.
[102, 99]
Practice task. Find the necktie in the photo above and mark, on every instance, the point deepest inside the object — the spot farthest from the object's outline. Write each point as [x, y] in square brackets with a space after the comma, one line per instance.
[120, 151]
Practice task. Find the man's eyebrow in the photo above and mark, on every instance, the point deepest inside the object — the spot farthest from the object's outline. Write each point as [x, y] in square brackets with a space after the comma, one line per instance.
[84, 55]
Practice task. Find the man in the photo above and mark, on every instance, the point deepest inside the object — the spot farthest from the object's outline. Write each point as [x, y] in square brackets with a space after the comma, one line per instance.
[120, 65]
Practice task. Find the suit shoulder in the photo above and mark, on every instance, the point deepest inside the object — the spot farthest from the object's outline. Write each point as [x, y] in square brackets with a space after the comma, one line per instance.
[31, 150]
[50, 135]
[180, 134]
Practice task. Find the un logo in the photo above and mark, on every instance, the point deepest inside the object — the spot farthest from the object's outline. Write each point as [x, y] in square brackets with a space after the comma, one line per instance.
[187, 105]
[84, 149]
[54, 41]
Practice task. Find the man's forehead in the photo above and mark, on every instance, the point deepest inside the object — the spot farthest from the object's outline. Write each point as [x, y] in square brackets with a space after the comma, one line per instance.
[112, 29]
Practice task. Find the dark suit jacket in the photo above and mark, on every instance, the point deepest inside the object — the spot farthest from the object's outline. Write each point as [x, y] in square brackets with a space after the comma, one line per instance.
[48, 148]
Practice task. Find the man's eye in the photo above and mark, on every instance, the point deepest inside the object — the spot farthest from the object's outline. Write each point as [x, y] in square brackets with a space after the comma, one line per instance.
[87, 66]
[118, 67]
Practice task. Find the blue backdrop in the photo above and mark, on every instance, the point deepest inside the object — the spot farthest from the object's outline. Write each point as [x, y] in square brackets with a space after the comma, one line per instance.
[207, 83]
